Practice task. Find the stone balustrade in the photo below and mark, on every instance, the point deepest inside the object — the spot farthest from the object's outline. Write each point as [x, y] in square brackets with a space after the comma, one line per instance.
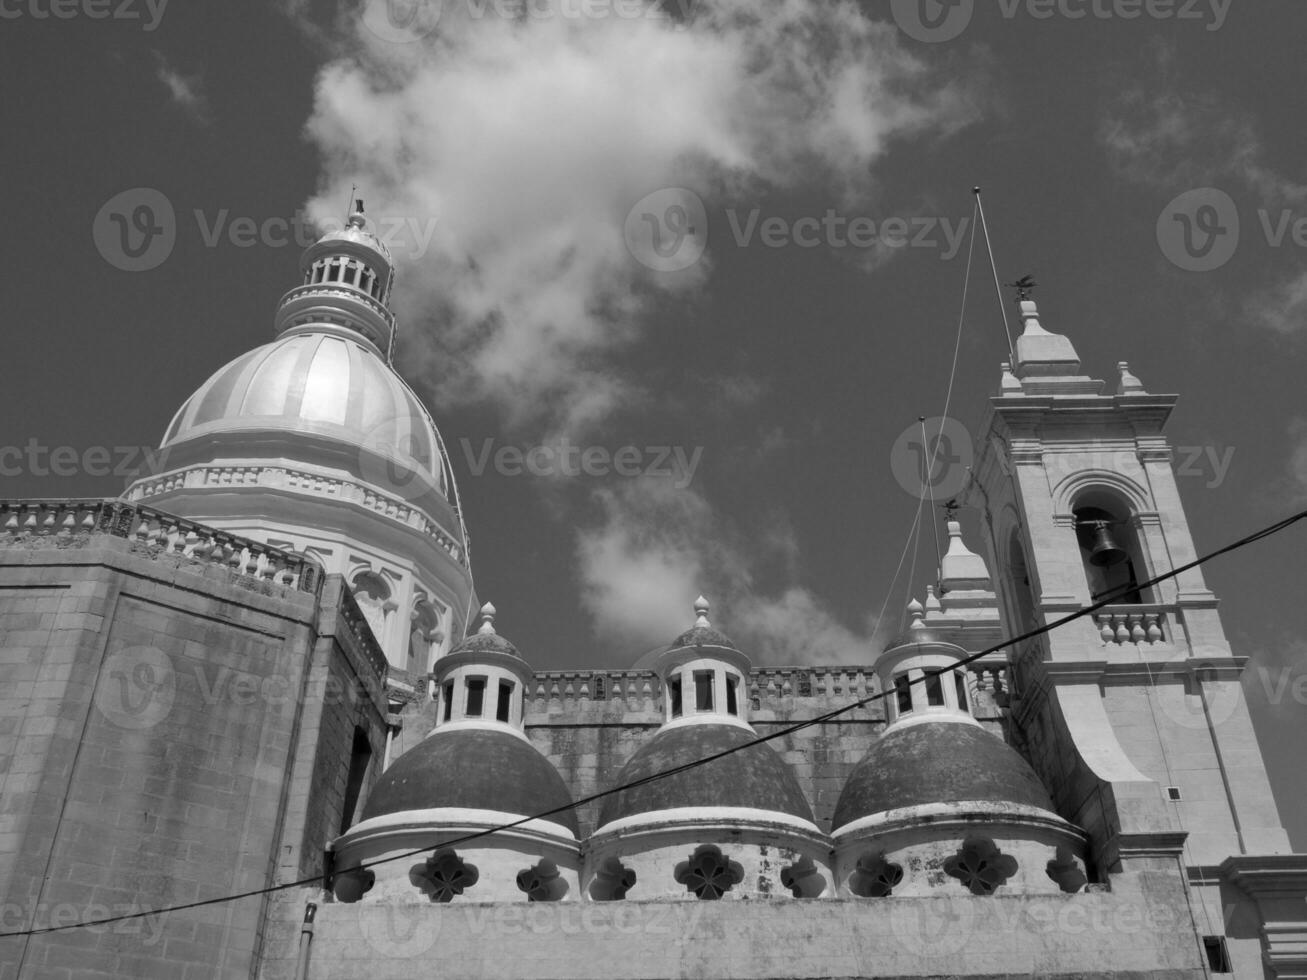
[1131, 623]
[638, 689]
[335, 291]
[63, 523]
[303, 482]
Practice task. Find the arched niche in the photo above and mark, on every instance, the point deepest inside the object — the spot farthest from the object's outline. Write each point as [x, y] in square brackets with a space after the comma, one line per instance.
[1111, 550]
[425, 636]
[373, 594]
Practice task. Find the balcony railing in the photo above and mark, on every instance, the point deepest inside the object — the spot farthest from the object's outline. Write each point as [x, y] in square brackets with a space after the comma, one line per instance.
[62, 522]
[1132, 624]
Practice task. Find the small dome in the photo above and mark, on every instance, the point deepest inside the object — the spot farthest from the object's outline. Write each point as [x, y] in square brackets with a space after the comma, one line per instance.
[937, 763]
[479, 769]
[485, 639]
[316, 385]
[356, 231]
[703, 636]
[702, 633]
[755, 777]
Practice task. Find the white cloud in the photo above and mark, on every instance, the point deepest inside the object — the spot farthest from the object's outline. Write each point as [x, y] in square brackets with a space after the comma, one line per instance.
[530, 140]
[655, 548]
[1282, 309]
[186, 91]
[1169, 133]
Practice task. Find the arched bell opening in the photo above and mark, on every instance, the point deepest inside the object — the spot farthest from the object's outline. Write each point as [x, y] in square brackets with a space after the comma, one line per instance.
[1110, 549]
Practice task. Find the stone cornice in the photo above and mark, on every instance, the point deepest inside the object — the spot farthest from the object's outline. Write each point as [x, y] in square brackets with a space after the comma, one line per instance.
[1268, 875]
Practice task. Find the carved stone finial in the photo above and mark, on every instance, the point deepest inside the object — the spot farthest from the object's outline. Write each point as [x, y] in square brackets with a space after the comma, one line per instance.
[1129, 383]
[701, 612]
[917, 612]
[487, 619]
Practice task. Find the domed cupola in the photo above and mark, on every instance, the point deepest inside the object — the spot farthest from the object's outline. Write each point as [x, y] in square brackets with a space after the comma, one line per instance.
[314, 444]
[475, 771]
[715, 829]
[348, 275]
[940, 802]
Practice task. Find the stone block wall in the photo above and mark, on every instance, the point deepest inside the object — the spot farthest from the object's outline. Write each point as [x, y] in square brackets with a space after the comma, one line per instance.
[150, 710]
[1140, 929]
[589, 739]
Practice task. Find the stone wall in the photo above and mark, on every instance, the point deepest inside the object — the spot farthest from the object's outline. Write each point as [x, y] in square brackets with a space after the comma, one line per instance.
[589, 738]
[1140, 929]
[149, 715]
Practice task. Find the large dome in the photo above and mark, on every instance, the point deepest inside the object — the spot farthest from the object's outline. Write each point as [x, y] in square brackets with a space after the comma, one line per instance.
[317, 385]
[937, 763]
[755, 778]
[476, 769]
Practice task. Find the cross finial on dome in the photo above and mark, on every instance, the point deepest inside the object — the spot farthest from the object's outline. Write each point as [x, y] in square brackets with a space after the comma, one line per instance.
[701, 612]
[487, 619]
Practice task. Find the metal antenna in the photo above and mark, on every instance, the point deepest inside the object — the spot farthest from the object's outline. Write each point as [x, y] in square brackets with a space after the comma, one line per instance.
[984, 226]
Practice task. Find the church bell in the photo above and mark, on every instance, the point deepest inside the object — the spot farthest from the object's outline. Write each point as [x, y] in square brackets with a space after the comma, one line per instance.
[1103, 549]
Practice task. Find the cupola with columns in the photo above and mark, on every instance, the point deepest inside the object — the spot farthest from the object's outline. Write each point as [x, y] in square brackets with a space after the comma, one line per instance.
[475, 771]
[711, 831]
[939, 791]
[313, 443]
[705, 678]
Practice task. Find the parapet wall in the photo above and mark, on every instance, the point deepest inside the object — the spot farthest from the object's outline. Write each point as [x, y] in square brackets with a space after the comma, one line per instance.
[1140, 929]
[589, 723]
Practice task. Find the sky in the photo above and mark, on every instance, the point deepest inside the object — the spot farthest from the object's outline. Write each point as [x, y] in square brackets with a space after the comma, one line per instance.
[722, 245]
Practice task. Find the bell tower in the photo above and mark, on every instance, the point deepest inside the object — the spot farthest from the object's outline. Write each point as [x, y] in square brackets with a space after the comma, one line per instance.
[1133, 715]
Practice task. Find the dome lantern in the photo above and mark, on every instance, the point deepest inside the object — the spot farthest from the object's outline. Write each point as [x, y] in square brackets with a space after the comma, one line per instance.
[704, 676]
[475, 771]
[939, 789]
[313, 443]
[348, 275]
[711, 830]
[483, 682]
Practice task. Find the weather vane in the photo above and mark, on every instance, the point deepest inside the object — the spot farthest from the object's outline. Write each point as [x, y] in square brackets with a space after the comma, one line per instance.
[1023, 286]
